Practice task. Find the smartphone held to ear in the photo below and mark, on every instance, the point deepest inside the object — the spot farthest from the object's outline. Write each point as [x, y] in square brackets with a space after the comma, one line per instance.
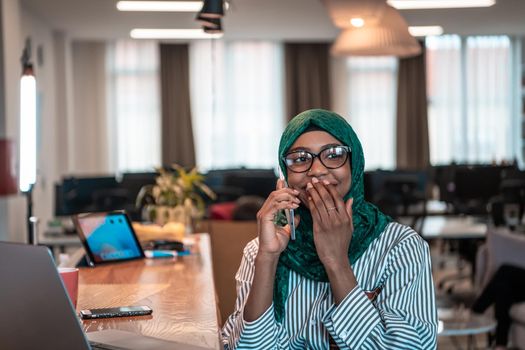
[291, 221]
[290, 213]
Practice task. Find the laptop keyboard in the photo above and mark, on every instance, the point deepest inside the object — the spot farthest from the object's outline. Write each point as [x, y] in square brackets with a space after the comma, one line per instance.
[99, 346]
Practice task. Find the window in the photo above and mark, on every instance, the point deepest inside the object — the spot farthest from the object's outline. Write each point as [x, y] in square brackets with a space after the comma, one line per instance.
[134, 105]
[371, 85]
[470, 99]
[237, 103]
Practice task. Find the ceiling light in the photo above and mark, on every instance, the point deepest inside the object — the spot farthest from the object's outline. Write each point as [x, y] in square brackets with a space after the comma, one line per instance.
[388, 37]
[167, 6]
[435, 4]
[357, 22]
[142, 33]
[425, 30]
[343, 12]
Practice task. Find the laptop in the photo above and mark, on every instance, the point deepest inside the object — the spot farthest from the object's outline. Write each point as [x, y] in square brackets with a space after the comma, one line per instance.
[37, 313]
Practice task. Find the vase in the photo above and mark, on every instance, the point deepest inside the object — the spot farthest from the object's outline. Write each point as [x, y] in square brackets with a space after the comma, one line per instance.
[161, 215]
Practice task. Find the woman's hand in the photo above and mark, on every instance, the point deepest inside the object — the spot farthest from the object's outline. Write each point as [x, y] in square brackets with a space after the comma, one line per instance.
[273, 238]
[332, 223]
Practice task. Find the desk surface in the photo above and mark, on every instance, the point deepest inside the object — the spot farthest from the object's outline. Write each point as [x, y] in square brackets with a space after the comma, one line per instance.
[180, 291]
[452, 227]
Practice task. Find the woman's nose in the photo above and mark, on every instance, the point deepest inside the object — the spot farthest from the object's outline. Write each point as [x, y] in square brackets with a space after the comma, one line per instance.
[317, 167]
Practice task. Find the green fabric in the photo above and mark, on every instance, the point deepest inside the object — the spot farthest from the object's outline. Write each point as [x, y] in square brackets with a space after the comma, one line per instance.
[300, 254]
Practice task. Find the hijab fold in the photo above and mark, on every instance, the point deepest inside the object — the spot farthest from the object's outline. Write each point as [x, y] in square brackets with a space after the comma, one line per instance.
[300, 255]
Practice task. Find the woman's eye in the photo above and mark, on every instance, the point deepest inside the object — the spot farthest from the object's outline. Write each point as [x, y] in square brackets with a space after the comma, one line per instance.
[297, 158]
[300, 159]
[334, 154]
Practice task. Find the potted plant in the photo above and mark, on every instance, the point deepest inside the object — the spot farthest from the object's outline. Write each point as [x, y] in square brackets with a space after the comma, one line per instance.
[176, 196]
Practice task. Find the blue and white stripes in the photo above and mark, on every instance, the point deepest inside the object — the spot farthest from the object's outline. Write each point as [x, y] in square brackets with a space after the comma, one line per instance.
[403, 316]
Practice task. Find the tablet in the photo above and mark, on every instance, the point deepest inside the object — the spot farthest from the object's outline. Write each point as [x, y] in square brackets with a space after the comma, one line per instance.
[107, 237]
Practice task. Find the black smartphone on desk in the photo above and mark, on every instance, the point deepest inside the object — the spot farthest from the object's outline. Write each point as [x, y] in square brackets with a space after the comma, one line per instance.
[123, 311]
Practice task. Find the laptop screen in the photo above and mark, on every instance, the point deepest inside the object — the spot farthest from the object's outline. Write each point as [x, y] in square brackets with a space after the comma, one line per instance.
[108, 237]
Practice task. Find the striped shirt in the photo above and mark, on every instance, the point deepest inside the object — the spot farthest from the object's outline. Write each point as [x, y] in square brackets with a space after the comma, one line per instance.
[402, 316]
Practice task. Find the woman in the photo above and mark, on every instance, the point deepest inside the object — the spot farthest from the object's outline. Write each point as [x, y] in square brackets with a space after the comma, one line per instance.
[351, 278]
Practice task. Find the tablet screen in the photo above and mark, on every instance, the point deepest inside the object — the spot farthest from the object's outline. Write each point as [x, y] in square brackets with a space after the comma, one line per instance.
[108, 237]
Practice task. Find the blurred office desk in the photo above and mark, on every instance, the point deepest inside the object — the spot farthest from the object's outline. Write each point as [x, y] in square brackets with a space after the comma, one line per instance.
[453, 227]
[180, 291]
[462, 232]
[59, 243]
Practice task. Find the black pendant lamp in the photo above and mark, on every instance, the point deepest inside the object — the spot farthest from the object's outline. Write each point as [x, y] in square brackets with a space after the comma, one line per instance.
[212, 9]
[215, 28]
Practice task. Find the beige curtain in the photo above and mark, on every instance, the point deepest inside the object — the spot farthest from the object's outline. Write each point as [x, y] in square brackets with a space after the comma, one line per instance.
[177, 132]
[412, 144]
[307, 76]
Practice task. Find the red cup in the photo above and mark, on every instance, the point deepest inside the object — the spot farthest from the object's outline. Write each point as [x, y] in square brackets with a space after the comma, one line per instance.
[69, 276]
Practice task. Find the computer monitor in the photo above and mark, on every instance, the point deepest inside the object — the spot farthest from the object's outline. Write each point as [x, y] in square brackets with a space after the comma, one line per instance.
[474, 186]
[77, 195]
[230, 184]
[378, 181]
[395, 191]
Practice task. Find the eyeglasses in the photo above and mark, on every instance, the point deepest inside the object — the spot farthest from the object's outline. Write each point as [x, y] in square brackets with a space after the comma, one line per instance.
[332, 157]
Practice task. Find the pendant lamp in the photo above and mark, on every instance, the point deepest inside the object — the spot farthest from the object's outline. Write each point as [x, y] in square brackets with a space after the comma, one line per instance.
[212, 9]
[388, 36]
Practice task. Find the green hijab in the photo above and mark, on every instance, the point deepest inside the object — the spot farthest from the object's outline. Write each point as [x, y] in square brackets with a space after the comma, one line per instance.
[300, 255]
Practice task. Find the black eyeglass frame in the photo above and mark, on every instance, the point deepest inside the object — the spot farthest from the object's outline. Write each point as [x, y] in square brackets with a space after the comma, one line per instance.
[314, 155]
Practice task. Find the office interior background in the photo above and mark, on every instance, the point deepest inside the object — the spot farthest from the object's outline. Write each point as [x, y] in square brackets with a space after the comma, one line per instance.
[99, 91]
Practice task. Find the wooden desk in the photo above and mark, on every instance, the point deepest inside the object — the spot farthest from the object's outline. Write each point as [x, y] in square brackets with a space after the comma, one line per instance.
[180, 291]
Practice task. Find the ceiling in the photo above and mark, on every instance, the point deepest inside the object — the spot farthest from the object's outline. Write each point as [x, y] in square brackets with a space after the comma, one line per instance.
[299, 20]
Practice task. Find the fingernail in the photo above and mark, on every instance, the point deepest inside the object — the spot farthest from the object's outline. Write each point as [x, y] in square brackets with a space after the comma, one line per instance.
[309, 198]
[309, 185]
[326, 182]
[295, 205]
[314, 180]
[295, 192]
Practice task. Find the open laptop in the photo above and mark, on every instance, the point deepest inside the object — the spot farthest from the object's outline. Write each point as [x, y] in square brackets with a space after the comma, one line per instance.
[37, 313]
